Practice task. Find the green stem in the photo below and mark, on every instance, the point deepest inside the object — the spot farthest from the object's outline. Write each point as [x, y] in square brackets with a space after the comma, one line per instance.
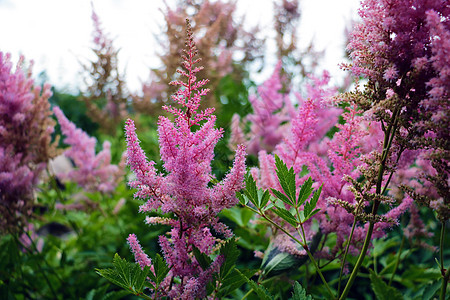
[397, 263]
[345, 255]
[445, 273]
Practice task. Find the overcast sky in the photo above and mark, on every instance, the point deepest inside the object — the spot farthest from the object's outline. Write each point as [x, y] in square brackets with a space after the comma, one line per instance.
[56, 34]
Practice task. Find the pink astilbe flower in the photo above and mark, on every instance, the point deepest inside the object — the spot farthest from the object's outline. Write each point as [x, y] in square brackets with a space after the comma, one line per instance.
[405, 57]
[141, 258]
[274, 116]
[94, 172]
[270, 109]
[25, 141]
[185, 190]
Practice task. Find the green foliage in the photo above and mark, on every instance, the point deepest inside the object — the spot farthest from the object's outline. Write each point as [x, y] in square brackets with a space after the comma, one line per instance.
[127, 275]
[382, 290]
[229, 277]
[300, 293]
[259, 289]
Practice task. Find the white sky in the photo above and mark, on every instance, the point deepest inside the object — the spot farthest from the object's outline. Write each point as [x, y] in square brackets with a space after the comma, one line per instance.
[56, 34]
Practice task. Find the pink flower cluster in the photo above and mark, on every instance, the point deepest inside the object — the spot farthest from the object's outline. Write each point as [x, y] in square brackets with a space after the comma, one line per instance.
[187, 149]
[25, 140]
[94, 172]
[305, 143]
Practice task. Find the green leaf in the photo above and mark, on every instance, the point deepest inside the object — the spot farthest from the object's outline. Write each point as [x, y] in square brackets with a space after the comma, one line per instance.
[285, 215]
[234, 280]
[382, 290]
[282, 197]
[430, 290]
[161, 269]
[315, 197]
[127, 275]
[260, 290]
[264, 199]
[230, 253]
[203, 259]
[286, 177]
[305, 191]
[300, 293]
[239, 215]
[276, 261]
[251, 191]
[311, 205]
[242, 199]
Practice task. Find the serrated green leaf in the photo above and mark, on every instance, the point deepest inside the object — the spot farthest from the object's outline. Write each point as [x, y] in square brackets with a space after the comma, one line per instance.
[161, 269]
[127, 275]
[315, 197]
[242, 199]
[382, 290]
[282, 197]
[311, 205]
[251, 191]
[311, 214]
[203, 260]
[305, 191]
[260, 290]
[286, 177]
[285, 215]
[300, 293]
[264, 199]
[233, 281]
[230, 253]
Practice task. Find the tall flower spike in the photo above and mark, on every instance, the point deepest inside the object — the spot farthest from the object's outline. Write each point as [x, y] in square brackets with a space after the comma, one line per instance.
[185, 191]
[25, 141]
[93, 171]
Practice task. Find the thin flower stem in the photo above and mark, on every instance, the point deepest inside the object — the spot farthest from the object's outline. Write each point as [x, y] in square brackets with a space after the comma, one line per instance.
[345, 255]
[445, 273]
[397, 263]
[299, 242]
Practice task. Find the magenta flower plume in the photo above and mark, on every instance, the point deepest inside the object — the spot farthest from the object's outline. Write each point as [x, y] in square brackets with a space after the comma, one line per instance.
[271, 108]
[94, 172]
[25, 141]
[185, 190]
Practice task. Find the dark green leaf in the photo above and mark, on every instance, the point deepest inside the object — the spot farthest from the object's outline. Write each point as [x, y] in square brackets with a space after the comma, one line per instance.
[278, 262]
[251, 191]
[161, 269]
[233, 281]
[300, 293]
[285, 215]
[242, 199]
[431, 289]
[260, 290]
[311, 214]
[264, 199]
[127, 275]
[203, 259]
[305, 191]
[311, 205]
[282, 197]
[286, 177]
[382, 290]
[315, 197]
[230, 253]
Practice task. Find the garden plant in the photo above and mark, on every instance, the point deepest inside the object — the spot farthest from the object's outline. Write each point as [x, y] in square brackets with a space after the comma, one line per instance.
[222, 189]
